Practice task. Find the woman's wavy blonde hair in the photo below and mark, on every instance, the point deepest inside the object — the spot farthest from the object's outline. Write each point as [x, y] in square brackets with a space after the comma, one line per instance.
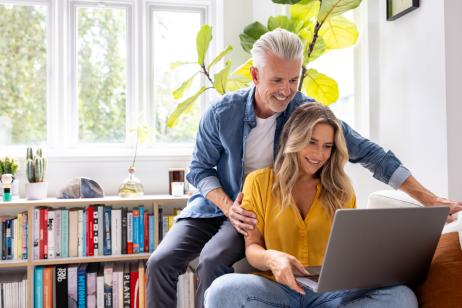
[336, 186]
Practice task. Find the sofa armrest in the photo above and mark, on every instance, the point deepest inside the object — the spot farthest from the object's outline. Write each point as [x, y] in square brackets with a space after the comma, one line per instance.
[391, 198]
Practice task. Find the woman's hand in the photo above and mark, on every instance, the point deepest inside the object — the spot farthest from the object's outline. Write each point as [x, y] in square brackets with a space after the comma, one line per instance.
[284, 268]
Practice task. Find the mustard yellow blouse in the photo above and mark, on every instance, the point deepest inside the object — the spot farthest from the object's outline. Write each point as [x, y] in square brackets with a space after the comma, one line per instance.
[286, 231]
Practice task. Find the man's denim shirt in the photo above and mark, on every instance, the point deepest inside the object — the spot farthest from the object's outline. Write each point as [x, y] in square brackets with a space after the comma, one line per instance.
[218, 157]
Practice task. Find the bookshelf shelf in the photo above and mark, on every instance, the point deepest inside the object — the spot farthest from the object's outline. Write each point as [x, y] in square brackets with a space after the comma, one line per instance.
[13, 264]
[118, 258]
[152, 204]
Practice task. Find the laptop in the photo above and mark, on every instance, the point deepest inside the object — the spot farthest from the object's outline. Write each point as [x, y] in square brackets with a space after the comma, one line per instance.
[372, 248]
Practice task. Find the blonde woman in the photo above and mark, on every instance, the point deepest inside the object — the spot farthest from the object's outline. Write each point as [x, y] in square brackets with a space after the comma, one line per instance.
[294, 202]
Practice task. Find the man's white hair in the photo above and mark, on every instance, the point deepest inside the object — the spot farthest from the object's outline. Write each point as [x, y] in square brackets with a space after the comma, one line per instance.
[279, 42]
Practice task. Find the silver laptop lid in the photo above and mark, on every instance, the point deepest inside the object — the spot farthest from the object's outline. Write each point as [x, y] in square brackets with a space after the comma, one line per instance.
[371, 248]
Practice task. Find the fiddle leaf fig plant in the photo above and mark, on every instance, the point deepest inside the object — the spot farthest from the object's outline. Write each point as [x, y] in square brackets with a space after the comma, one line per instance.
[318, 23]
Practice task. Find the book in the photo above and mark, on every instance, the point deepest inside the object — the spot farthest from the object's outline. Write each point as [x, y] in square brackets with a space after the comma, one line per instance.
[48, 287]
[90, 245]
[136, 232]
[124, 231]
[152, 232]
[108, 267]
[82, 286]
[129, 232]
[61, 285]
[115, 284]
[116, 227]
[84, 233]
[92, 270]
[146, 232]
[133, 286]
[107, 231]
[38, 287]
[25, 236]
[58, 233]
[100, 230]
[100, 287]
[73, 232]
[96, 231]
[160, 224]
[51, 234]
[80, 234]
[65, 233]
[72, 293]
[126, 286]
[141, 229]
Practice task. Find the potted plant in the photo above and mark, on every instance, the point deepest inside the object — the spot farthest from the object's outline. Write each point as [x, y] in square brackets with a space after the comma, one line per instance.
[9, 165]
[37, 188]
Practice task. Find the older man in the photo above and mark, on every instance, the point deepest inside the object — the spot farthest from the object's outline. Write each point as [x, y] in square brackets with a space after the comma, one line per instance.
[237, 135]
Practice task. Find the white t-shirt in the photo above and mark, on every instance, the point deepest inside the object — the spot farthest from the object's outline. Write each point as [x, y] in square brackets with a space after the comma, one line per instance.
[259, 145]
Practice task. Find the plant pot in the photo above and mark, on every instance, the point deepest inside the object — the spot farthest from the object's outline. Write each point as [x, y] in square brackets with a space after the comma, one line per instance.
[36, 191]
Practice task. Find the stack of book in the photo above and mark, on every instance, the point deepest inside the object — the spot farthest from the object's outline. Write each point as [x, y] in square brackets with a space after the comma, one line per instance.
[95, 230]
[186, 289]
[90, 285]
[13, 239]
[167, 222]
[13, 290]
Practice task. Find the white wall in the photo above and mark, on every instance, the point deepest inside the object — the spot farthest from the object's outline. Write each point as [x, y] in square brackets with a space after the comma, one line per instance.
[414, 65]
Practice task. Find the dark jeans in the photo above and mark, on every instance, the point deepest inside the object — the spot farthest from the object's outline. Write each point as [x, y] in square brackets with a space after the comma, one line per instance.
[214, 240]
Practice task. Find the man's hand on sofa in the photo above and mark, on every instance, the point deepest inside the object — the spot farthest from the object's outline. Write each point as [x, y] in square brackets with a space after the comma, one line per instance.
[417, 191]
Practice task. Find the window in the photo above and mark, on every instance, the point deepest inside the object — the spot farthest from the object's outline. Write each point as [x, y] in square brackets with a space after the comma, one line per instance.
[101, 38]
[23, 73]
[76, 74]
[166, 48]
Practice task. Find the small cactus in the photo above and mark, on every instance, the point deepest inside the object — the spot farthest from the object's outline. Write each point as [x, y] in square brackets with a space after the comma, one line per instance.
[35, 166]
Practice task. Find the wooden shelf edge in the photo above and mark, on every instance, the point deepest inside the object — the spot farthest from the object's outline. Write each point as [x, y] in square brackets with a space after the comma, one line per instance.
[131, 257]
[13, 263]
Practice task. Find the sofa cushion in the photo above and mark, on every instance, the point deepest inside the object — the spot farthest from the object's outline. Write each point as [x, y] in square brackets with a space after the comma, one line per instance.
[443, 285]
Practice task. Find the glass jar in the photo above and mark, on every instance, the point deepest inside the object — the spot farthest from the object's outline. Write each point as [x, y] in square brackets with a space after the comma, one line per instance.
[131, 186]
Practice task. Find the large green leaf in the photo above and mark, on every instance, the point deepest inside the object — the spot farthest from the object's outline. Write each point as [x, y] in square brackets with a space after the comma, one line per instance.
[339, 32]
[220, 79]
[220, 56]
[179, 92]
[283, 22]
[251, 33]
[236, 82]
[204, 36]
[183, 107]
[320, 87]
[335, 7]
[305, 10]
[244, 69]
[286, 1]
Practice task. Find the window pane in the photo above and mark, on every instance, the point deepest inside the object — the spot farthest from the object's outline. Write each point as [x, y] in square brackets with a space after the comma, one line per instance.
[102, 63]
[23, 74]
[174, 39]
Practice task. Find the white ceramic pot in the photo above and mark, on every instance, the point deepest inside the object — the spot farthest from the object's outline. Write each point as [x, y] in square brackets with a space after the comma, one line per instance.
[36, 191]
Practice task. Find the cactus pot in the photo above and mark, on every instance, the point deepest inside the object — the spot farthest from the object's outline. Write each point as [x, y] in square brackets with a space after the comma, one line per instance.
[36, 191]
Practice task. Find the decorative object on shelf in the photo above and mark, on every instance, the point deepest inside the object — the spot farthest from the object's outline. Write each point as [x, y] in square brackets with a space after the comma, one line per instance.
[6, 179]
[131, 186]
[176, 182]
[398, 8]
[9, 165]
[81, 188]
[37, 188]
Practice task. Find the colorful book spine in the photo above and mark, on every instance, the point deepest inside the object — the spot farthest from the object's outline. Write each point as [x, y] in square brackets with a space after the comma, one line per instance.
[38, 287]
[48, 287]
[96, 231]
[146, 232]
[25, 236]
[124, 231]
[107, 231]
[91, 285]
[129, 232]
[82, 286]
[18, 236]
[51, 234]
[36, 234]
[61, 285]
[65, 233]
[141, 229]
[136, 232]
[160, 224]
[58, 233]
[100, 288]
[72, 293]
[74, 233]
[126, 286]
[142, 285]
[90, 231]
[152, 233]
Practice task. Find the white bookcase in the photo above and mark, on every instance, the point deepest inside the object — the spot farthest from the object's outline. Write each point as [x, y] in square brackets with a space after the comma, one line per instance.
[151, 203]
